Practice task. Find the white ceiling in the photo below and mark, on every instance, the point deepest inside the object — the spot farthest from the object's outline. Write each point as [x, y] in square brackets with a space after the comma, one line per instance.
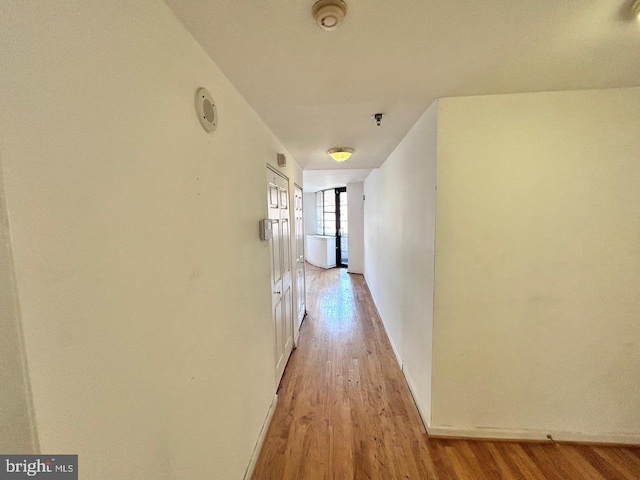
[316, 180]
[317, 89]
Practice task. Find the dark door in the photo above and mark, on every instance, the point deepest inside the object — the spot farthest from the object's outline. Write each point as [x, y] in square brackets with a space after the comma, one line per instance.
[342, 228]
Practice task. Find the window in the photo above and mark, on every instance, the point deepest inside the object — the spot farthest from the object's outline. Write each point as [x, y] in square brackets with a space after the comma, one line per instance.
[319, 223]
[326, 212]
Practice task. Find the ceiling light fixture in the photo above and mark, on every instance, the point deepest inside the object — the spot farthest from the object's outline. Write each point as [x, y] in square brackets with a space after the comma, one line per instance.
[636, 9]
[340, 154]
[329, 13]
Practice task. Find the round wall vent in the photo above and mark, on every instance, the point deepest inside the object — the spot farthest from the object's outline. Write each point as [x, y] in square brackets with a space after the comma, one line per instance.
[329, 13]
[206, 110]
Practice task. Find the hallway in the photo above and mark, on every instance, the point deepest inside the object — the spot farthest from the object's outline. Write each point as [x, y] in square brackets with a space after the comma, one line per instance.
[345, 411]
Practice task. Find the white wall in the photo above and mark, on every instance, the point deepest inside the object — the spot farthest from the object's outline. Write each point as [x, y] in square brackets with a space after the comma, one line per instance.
[310, 213]
[310, 220]
[143, 286]
[399, 229]
[537, 325]
[355, 209]
[17, 429]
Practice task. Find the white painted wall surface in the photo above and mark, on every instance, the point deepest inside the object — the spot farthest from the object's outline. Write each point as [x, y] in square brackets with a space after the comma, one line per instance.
[399, 230]
[310, 213]
[143, 285]
[17, 428]
[321, 251]
[355, 209]
[537, 325]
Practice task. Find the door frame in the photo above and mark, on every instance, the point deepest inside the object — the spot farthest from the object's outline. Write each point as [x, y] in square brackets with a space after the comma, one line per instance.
[304, 259]
[338, 191]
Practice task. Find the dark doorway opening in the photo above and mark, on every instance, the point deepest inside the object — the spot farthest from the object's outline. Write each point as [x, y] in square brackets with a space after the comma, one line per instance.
[342, 232]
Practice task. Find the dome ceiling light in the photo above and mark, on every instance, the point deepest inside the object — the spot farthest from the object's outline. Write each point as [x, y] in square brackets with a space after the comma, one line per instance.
[329, 13]
[340, 154]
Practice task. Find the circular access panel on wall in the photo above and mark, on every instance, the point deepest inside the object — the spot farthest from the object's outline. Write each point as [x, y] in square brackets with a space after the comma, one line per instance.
[206, 110]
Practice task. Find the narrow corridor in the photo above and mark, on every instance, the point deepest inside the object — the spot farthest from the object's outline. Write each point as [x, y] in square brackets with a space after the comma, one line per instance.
[345, 412]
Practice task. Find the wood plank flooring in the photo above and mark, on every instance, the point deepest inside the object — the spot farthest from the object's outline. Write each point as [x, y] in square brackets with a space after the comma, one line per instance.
[345, 411]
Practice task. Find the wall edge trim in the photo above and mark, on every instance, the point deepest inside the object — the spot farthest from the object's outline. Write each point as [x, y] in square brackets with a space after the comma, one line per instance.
[403, 368]
[489, 433]
[423, 416]
[384, 325]
[261, 438]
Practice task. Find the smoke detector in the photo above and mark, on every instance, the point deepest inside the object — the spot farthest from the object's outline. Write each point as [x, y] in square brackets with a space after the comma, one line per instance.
[329, 13]
[378, 118]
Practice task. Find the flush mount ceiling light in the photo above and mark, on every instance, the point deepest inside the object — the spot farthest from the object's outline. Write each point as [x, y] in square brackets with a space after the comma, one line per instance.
[636, 9]
[329, 13]
[340, 154]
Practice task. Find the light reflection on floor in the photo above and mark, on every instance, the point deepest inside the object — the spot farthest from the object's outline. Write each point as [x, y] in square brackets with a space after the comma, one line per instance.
[337, 305]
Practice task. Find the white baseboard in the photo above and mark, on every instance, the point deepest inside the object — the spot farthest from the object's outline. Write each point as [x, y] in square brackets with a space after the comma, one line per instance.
[423, 415]
[488, 433]
[403, 368]
[384, 325]
[507, 434]
[263, 433]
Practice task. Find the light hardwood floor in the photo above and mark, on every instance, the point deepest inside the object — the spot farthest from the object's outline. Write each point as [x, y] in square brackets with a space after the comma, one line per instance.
[345, 411]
